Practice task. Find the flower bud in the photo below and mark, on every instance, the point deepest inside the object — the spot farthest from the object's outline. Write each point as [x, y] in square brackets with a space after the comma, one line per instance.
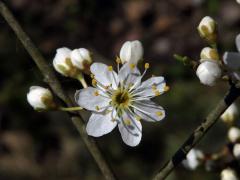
[209, 53]
[234, 134]
[207, 29]
[228, 174]
[193, 159]
[236, 151]
[63, 64]
[230, 115]
[40, 98]
[81, 58]
[131, 51]
[208, 72]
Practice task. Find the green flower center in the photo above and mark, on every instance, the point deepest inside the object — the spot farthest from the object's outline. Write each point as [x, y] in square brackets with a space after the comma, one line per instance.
[121, 98]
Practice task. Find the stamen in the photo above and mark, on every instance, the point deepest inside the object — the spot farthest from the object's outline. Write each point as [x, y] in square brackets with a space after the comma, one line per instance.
[159, 113]
[118, 60]
[146, 66]
[127, 122]
[157, 93]
[166, 88]
[138, 118]
[110, 68]
[92, 76]
[132, 66]
[97, 108]
[154, 87]
[96, 93]
[94, 82]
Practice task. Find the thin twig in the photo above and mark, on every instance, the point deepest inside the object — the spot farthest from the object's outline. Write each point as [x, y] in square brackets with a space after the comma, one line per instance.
[198, 134]
[53, 82]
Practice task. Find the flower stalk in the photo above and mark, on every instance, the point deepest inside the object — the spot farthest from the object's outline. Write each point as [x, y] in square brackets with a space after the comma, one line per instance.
[82, 80]
[70, 109]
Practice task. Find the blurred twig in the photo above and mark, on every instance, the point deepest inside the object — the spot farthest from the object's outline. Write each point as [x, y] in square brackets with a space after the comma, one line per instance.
[199, 133]
[53, 82]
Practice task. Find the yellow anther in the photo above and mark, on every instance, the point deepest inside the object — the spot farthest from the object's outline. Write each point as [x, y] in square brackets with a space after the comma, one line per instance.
[113, 120]
[118, 60]
[92, 76]
[138, 118]
[154, 87]
[166, 88]
[110, 68]
[146, 66]
[159, 113]
[96, 93]
[132, 66]
[127, 122]
[157, 93]
[97, 108]
[94, 82]
[106, 87]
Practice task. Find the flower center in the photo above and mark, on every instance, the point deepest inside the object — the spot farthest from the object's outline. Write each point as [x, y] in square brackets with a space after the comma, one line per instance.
[121, 98]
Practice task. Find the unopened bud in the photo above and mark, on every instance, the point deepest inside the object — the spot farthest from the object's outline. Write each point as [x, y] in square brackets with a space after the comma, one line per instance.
[236, 151]
[81, 58]
[230, 115]
[209, 53]
[228, 174]
[234, 134]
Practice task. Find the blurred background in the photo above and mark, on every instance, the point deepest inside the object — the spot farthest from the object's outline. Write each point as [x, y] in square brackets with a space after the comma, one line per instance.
[47, 145]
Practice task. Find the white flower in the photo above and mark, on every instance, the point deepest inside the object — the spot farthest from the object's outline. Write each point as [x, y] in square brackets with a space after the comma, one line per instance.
[230, 114]
[232, 60]
[209, 53]
[131, 52]
[228, 174]
[81, 58]
[193, 159]
[208, 72]
[121, 99]
[234, 134]
[40, 98]
[236, 151]
[207, 29]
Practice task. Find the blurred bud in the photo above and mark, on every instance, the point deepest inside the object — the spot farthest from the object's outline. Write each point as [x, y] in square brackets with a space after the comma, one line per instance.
[193, 159]
[207, 29]
[63, 64]
[236, 151]
[238, 1]
[209, 53]
[228, 174]
[230, 115]
[81, 58]
[238, 40]
[208, 72]
[40, 98]
[234, 134]
[131, 51]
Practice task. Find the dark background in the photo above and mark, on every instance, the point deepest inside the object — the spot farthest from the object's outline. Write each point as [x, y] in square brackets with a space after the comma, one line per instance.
[47, 146]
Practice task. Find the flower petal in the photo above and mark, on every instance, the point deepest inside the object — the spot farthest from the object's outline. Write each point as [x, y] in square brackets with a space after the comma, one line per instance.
[149, 111]
[238, 42]
[87, 99]
[130, 129]
[103, 75]
[128, 73]
[100, 124]
[151, 86]
[232, 60]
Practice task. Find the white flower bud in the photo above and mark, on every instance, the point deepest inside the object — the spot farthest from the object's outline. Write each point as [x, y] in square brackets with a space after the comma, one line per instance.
[40, 98]
[81, 58]
[193, 159]
[131, 51]
[236, 151]
[208, 72]
[228, 174]
[230, 115]
[209, 53]
[234, 134]
[207, 29]
[63, 64]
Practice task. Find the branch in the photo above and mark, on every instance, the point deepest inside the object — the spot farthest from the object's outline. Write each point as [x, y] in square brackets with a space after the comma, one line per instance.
[198, 134]
[53, 82]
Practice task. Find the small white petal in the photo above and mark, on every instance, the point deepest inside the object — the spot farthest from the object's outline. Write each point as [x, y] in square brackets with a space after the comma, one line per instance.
[131, 132]
[193, 159]
[209, 23]
[128, 75]
[103, 75]
[208, 72]
[100, 124]
[234, 134]
[228, 174]
[60, 60]
[238, 42]
[131, 51]
[236, 151]
[87, 99]
[149, 111]
[150, 86]
[230, 115]
[232, 60]
[79, 57]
